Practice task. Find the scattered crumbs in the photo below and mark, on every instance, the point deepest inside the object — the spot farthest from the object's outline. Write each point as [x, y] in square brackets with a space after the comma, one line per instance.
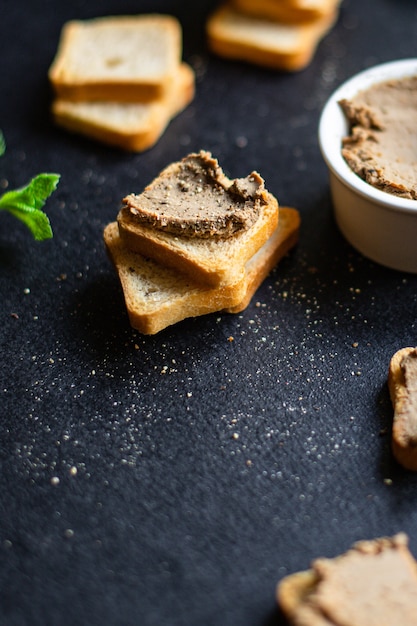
[388, 482]
[14, 316]
[69, 533]
[241, 142]
[54, 481]
[136, 346]
[26, 290]
[73, 471]
[235, 435]
[230, 339]
[249, 463]
[355, 344]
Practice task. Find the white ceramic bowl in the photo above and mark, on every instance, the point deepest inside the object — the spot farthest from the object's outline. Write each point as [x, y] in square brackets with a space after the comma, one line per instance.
[380, 225]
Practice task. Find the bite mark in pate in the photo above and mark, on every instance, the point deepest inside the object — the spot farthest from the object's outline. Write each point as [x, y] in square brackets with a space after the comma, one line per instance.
[194, 198]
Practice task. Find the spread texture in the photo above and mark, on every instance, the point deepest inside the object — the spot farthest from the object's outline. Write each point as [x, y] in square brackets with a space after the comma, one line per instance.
[381, 147]
[194, 198]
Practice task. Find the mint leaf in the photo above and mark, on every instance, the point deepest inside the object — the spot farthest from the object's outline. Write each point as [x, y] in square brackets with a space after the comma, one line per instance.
[26, 204]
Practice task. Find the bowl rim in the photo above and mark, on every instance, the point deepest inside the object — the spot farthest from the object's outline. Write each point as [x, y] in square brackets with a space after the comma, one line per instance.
[333, 126]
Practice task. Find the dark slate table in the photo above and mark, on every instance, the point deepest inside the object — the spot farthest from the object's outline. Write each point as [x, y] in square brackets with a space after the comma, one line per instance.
[174, 480]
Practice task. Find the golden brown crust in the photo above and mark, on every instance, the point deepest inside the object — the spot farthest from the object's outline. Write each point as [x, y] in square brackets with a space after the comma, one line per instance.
[114, 123]
[71, 83]
[287, 11]
[206, 260]
[283, 240]
[293, 589]
[404, 444]
[227, 33]
[374, 580]
[157, 296]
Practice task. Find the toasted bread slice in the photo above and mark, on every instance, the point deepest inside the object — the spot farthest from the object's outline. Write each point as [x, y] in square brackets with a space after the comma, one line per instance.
[117, 58]
[287, 11]
[259, 266]
[374, 582]
[132, 127]
[402, 384]
[158, 296]
[287, 47]
[213, 260]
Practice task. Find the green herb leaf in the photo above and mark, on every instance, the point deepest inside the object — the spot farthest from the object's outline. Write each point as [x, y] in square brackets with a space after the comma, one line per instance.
[26, 204]
[2, 144]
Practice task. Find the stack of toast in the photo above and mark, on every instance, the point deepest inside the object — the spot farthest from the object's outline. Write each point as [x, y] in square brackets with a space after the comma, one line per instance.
[196, 242]
[279, 34]
[120, 79]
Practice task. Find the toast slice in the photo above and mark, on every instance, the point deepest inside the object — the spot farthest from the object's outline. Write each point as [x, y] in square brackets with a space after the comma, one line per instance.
[279, 46]
[374, 582]
[282, 240]
[157, 296]
[117, 58]
[129, 126]
[287, 11]
[402, 385]
[213, 259]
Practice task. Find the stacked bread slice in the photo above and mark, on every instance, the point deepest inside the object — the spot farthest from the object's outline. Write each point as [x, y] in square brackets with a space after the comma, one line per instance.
[196, 242]
[120, 79]
[280, 34]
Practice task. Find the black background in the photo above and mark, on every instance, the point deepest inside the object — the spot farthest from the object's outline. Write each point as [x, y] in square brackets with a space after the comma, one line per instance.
[206, 469]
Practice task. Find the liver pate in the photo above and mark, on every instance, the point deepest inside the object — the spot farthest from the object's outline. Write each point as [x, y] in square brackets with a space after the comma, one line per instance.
[194, 198]
[372, 584]
[408, 409]
[382, 145]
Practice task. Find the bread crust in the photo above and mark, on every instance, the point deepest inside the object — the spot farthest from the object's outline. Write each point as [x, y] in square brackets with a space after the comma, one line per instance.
[403, 441]
[131, 127]
[287, 11]
[214, 267]
[157, 297]
[72, 79]
[284, 238]
[186, 297]
[340, 589]
[233, 35]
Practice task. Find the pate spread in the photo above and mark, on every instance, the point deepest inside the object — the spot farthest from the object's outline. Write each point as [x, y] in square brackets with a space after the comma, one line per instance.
[194, 198]
[382, 145]
[373, 584]
[408, 406]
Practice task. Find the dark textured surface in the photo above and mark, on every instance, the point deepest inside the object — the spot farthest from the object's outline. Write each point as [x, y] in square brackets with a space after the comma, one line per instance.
[205, 469]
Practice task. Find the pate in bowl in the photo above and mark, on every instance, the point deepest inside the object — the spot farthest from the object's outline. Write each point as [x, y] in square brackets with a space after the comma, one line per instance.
[375, 211]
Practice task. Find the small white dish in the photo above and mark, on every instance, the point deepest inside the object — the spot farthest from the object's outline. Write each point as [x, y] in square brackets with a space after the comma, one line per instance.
[380, 225]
